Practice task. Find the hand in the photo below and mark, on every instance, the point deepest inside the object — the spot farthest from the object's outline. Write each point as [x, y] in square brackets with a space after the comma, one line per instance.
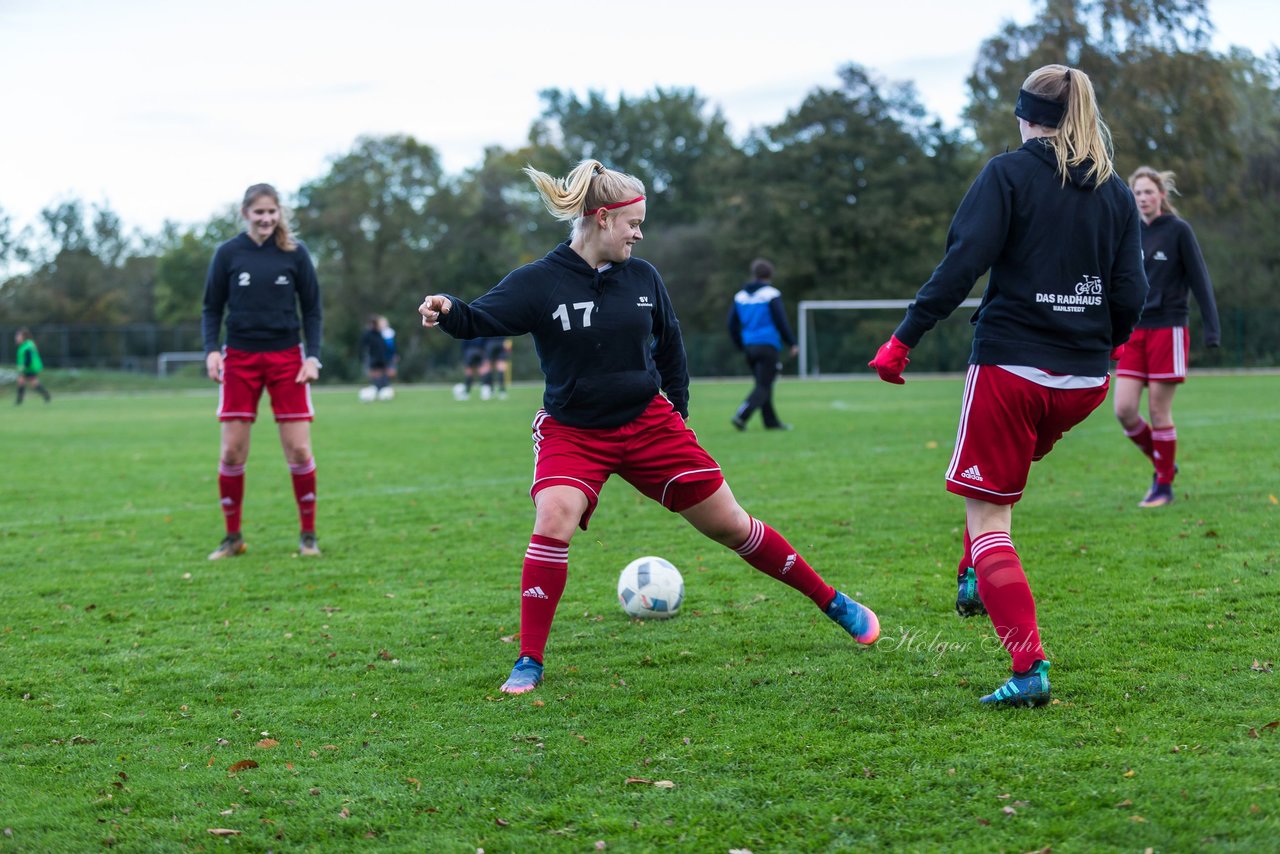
[1116, 352]
[1212, 344]
[433, 308]
[309, 371]
[213, 365]
[891, 360]
[795, 350]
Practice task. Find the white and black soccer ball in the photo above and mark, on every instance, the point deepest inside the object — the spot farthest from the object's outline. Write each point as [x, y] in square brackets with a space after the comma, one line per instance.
[650, 587]
[368, 394]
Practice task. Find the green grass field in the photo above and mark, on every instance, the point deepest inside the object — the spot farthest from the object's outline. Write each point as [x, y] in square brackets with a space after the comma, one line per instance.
[138, 678]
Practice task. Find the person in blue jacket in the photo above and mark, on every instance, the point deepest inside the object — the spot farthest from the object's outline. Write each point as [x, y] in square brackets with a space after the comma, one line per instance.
[1060, 234]
[615, 402]
[758, 326]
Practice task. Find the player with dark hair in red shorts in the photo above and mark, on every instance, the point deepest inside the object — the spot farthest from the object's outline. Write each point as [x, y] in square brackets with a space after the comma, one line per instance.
[1156, 356]
[616, 399]
[1059, 233]
[261, 280]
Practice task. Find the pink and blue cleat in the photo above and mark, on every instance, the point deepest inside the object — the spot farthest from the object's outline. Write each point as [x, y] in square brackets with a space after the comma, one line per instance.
[858, 620]
[525, 676]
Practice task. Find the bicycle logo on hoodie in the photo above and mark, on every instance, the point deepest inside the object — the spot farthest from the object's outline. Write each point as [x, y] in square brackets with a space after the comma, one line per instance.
[1088, 292]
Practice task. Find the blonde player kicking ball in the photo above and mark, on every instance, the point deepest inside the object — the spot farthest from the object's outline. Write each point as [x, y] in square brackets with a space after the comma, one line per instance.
[616, 399]
[1059, 233]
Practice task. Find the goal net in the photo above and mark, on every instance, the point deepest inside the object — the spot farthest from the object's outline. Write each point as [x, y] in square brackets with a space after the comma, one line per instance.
[839, 337]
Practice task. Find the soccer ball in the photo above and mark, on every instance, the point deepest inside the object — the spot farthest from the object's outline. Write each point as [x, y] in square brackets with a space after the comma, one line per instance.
[387, 393]
[650, 587]
[368, 394]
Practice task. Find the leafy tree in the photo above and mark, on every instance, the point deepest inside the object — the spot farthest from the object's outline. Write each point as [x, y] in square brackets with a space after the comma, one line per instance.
[368, 224]
[182, 263]
[666, 139]
[1165, 96]
[850, 196]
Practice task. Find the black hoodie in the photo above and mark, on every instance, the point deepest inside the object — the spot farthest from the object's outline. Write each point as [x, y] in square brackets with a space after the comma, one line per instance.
[1067, 283]
[608, 340]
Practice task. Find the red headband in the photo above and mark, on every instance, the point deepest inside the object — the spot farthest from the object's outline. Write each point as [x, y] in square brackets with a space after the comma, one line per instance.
[614, 205]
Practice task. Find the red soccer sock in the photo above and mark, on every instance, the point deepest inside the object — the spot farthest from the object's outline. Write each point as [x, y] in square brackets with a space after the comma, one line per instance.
[304, 490]
[542, 580]
[1141, 436]
[231, 492]
[769, 552]
[1165, 443]
[966, 559]
[1007, 596]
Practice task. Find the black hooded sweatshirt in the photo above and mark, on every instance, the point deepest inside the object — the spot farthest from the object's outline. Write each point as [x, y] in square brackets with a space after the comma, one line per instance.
[1067, 283]
[608, 340]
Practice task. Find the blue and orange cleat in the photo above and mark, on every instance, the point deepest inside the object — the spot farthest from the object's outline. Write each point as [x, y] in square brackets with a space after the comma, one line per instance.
[1161, 494]
[968, 602]
[1023, 689]
[858, 620]
[525, 676]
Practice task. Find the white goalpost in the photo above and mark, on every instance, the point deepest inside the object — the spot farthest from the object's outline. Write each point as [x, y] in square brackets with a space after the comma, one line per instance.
[810, 367]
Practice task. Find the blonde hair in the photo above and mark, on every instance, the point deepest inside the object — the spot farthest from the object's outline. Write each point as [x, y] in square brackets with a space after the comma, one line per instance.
[284, 234]
[1164, 183]
[590, 185]
[1082, 137]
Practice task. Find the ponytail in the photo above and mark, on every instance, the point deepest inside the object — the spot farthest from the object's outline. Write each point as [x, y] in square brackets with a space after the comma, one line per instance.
[1082, 137]
[588, 188]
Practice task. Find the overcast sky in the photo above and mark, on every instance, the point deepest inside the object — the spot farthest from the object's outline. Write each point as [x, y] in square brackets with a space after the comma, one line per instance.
[168, 110]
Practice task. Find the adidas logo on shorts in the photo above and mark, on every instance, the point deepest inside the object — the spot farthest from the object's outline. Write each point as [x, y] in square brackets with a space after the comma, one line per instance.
[972, 473]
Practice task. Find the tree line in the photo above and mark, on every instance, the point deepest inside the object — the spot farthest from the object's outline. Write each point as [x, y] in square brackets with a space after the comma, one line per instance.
[850, 194]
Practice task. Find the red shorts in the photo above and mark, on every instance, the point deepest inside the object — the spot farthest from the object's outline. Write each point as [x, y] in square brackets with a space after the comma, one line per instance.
[1156, 355]
[1006, 423]
[245, 375]
[656, 453]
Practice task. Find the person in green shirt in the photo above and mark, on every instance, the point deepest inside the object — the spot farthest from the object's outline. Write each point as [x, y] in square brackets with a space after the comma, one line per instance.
[29, 366]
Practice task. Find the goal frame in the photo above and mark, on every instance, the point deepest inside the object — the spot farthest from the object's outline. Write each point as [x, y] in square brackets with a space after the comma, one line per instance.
[808, 306]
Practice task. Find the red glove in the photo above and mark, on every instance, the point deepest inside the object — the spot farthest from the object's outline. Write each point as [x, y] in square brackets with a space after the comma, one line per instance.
[891, 360]
[1117, 352]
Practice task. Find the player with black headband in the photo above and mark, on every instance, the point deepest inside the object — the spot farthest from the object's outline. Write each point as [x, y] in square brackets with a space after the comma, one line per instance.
[616, 399]
[1059, 232]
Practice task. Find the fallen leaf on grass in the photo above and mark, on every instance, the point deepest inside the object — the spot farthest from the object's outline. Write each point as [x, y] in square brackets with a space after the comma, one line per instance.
[501, 822]
[1137, 819]
[984, 822]
[664, 784]
[1274, 500]
[1130, 773]
[344, 813]
[1125, 803]
[416, 783]
[267, 743]
[241, 765]
[223, 831]
[631, 780]
[1009, 811]
[1261, 666]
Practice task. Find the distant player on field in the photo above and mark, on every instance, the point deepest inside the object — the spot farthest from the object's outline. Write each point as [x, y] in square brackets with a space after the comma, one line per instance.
[495, 353]
[1156, 356]
[374, 355]
[616, 399]
[475, 368]
[758, 326]
[261, 280]
[1060, 234]
[29, 366]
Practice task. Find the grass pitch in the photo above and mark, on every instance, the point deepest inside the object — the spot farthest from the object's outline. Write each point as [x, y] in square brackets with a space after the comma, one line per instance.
[153, 701]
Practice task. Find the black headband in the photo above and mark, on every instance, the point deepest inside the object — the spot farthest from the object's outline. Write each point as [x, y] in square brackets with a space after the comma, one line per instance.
[1038, 110]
